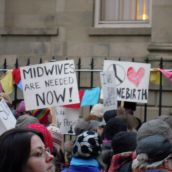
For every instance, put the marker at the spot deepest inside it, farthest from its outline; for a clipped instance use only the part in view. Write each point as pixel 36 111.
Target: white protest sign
pixel 7 119
pixel 67 118
pixel 49 84
pixel 109 90
pixel 131 80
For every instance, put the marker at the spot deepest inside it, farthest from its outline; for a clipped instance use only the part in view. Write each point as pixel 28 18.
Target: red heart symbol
pixel 135 77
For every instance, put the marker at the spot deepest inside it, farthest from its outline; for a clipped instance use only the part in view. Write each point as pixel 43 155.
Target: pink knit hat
pixel 46 134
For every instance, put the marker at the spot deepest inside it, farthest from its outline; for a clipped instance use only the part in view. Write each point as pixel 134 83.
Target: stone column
pixel 161 37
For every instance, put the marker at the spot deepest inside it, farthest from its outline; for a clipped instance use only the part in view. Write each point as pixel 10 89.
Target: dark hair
pixel 124 141
pixel 113 126
pixel 15 148
pixel 109 114
pixel 105 158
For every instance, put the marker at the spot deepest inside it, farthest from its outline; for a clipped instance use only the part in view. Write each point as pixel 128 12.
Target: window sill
pixel 119 31
pixel 29 32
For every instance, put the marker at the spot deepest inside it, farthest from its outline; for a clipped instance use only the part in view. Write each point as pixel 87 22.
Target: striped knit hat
pixel 42 115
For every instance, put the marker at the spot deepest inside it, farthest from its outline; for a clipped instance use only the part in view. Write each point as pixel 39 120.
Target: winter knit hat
pixel 46 134
pixel 97 110
pixel 57 136
pixel 87 145
pixel 20 108
pixel 109 114
pixel 96 124
pixel 155 126
pixel 152 151
pixel 124 142
pixel 167 119
pixel 42 115
pixel 24 120
pixel 113 126
pixel 81 126
pixel 156 147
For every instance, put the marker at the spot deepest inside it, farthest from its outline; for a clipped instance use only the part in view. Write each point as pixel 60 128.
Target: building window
pixel 123 13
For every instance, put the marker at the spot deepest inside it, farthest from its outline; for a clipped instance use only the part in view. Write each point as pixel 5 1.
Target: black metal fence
pixel 92 72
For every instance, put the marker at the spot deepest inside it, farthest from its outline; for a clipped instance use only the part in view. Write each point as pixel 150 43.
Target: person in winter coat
pixel 86 149
pixel 154 154
pixel 23 150
pixel 57 138
pixel 113 126
pixel 154 140
pixel 123 145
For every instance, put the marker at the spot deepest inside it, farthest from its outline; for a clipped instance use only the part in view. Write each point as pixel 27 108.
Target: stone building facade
pixel 71 28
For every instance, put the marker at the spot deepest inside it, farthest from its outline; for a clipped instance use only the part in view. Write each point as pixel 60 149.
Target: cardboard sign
pixel 49 84
pixel 109 90
pixel 66 119
pixel 90 97
pixel 7 119
pixel 131 80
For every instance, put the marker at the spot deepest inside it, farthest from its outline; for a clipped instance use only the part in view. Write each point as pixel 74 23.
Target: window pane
pixel 143 9
pixel 125 10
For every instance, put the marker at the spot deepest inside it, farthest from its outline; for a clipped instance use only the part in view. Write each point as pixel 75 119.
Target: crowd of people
pixel 114 141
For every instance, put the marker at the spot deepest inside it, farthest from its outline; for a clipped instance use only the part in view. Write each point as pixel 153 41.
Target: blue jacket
pixel 83 165
pixel 73 168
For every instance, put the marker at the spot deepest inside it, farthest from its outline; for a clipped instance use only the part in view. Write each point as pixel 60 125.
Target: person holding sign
pixel 23 150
